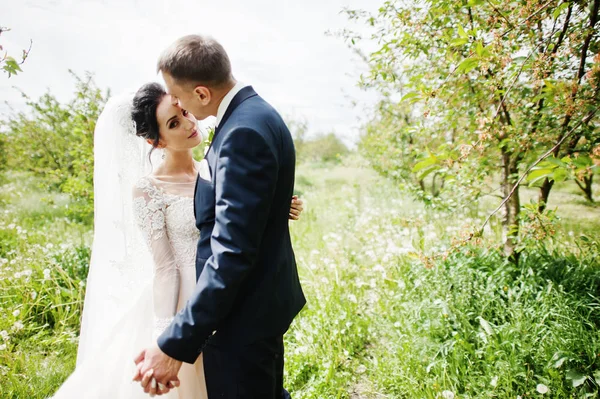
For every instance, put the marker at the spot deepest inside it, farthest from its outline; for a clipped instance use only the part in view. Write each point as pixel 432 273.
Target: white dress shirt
pixel 227 101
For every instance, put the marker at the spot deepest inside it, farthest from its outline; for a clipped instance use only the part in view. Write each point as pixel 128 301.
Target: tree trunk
pixel 544 194
pixel 588 182
pixel 512 206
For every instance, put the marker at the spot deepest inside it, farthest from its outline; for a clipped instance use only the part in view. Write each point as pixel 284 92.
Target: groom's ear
pixel 203 94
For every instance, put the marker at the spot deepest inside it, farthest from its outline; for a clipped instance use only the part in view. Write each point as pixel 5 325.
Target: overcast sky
pixel 278 46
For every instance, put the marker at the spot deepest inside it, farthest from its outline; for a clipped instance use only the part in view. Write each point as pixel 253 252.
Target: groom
pixel 247 291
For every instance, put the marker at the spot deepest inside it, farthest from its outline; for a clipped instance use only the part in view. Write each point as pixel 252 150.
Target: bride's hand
pixel 296 208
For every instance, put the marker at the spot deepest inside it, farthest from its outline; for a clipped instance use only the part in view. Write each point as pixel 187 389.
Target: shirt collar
pixel 227 101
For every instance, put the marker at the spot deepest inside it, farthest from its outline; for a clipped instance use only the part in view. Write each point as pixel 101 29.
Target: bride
pixel 143 257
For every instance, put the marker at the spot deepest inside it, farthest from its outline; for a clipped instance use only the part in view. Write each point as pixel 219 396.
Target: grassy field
pixel 380 323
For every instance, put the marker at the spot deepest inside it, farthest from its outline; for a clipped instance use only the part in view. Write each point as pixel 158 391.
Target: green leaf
pixel 582 161
pixel 11 66
pixel 428 171
pixel 566 159
pixel 539 174
pixel 462 33
pixel 459 42
pixel 576 377
pixel 432 160
pixel 479 48
pixel 468 65
pixel 552 162
pixel 410 95
pixel 560 175
pixel 560 9
pixel 585 238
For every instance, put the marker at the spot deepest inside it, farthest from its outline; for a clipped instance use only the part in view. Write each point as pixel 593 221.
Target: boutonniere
pixel 210 134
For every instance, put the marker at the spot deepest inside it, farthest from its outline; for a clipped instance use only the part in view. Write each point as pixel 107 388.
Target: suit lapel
pixel 195 191
pixel 239 98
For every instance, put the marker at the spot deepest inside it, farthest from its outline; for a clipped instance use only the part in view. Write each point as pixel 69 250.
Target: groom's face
pixel 194 99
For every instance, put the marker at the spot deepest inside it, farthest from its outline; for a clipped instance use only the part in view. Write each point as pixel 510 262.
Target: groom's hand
pixel 156 371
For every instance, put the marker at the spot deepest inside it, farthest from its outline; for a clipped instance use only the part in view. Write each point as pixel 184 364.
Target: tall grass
pixel 378 323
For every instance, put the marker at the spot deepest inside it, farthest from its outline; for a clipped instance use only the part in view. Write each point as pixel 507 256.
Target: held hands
pixel 156 371
pixel 296 208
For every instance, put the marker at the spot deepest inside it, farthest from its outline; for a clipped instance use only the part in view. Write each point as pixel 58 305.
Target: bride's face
pixel 178 128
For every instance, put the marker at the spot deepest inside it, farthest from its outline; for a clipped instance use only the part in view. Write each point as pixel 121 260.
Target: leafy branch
pixel 587 118
pixel 8 63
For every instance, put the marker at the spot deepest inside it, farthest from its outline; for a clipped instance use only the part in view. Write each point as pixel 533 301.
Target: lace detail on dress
pixel 167 223
pixel 181 229
pixel 159 213
pixel 149 209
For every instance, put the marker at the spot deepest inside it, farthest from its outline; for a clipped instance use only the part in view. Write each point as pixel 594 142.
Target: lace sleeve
pixel 149 211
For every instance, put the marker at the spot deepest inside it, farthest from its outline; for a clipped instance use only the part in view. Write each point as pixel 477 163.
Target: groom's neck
pixel 221 92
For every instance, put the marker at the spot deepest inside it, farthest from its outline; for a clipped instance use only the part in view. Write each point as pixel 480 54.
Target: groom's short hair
pixel 197 60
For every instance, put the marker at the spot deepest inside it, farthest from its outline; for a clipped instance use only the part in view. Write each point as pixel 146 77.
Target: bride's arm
pixel 149 210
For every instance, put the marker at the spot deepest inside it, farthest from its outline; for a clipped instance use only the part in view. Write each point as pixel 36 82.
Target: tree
pixel 325 148
pixel 502 81
pixel 55 142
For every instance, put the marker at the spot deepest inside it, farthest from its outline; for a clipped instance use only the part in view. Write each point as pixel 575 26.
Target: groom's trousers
pixel 252 371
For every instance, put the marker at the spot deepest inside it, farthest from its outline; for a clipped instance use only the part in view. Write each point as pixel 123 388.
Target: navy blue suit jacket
pixel 248 287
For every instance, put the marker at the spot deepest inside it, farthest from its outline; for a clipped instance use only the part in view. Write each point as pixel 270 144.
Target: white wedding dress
pixel 164 211
pixel 142 269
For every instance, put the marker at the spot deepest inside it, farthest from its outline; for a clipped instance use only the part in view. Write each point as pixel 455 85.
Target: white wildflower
pixel 33 295
pixel 379 268
pixel 494 381
pixel 541 388
pixel 447 394
pixel 361 369
pixel 18 325
pixel 16 313
pixel 4 335
pixel 2 347
pixel 46 274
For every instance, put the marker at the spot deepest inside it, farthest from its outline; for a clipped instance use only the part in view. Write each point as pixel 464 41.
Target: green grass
pixel 378 323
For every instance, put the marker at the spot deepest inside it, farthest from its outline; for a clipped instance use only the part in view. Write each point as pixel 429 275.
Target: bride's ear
pixel 160 143
pixel 203 94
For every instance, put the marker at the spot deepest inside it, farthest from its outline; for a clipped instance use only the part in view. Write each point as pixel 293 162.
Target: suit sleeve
pixel 246 175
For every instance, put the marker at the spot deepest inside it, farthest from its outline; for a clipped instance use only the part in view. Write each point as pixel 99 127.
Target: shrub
pixel 55 141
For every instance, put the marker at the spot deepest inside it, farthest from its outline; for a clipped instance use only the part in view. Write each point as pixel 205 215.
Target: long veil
pixel 121 265
pixel 118 309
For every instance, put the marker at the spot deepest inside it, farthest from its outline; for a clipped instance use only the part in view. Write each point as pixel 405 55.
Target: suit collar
pixel 239 98
pixel 227 100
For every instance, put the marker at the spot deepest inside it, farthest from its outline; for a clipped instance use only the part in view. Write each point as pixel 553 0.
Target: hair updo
pixel 145 103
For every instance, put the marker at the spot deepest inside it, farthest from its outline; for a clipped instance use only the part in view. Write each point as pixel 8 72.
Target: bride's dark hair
pixel 145 102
